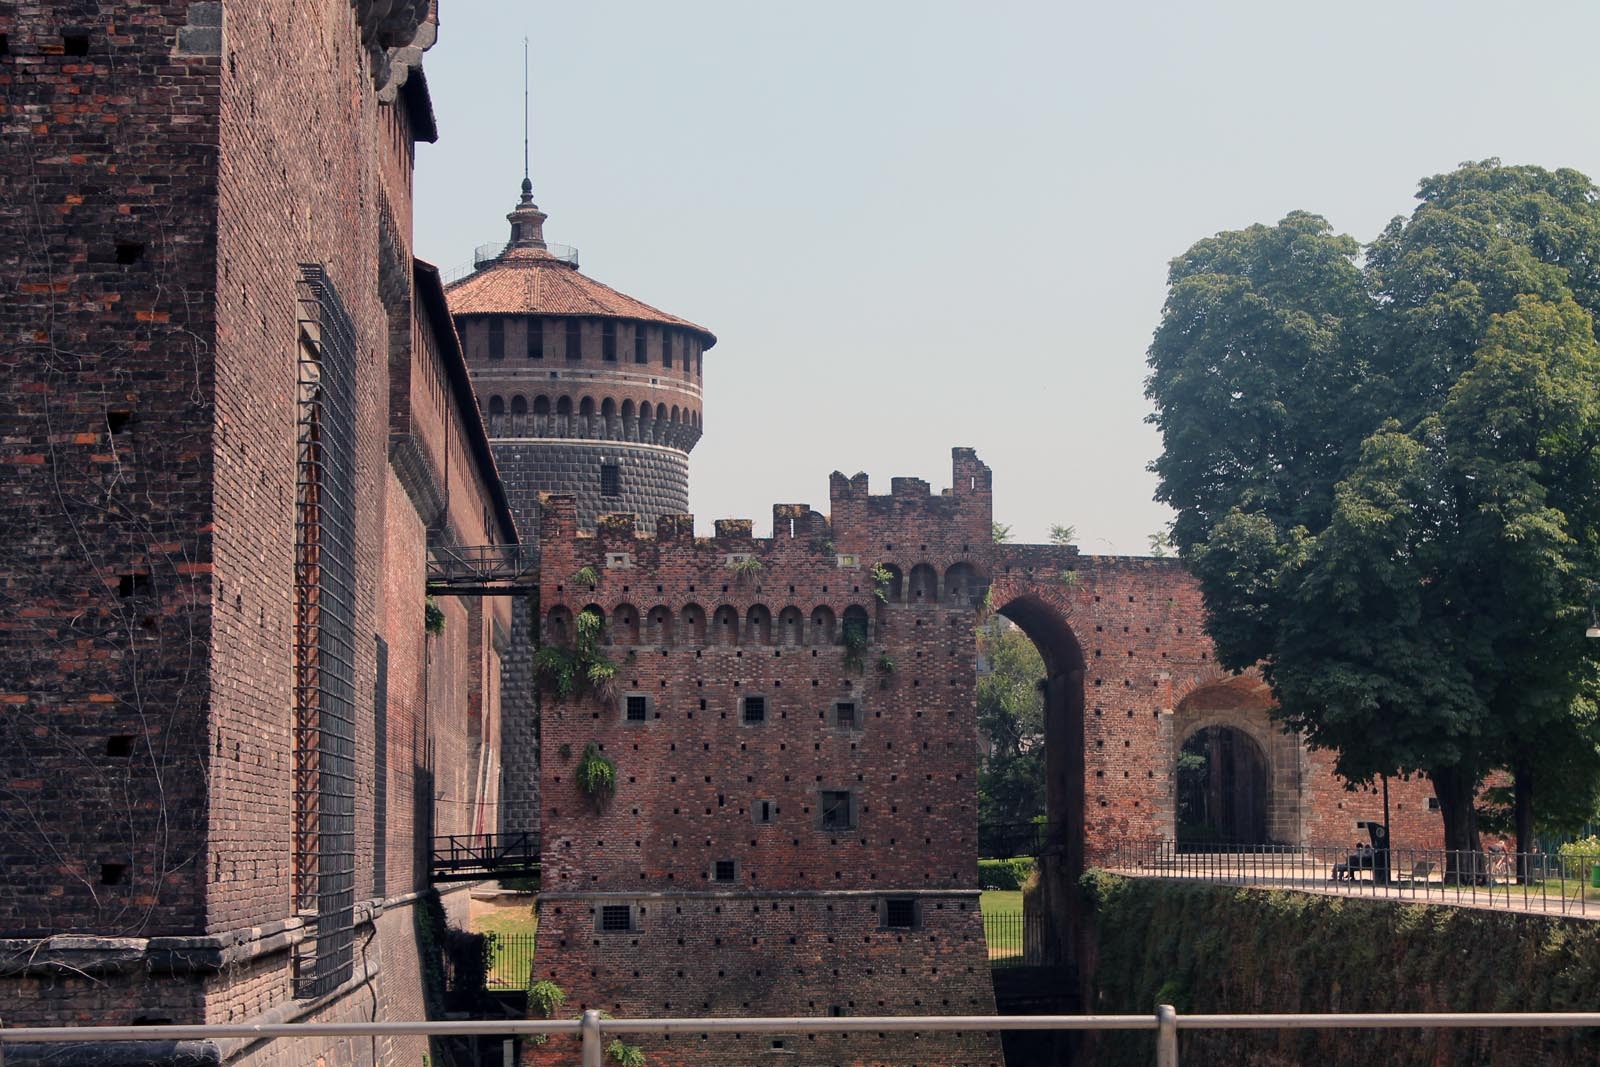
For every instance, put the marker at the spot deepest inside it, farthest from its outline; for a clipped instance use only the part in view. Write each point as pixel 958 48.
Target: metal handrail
pixel 593 1028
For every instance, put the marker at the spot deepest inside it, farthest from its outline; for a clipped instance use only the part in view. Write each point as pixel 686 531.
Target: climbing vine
pixel 882 578
pixel 597 776
pixel 581 668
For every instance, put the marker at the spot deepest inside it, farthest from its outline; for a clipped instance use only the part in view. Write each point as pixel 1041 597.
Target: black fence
pixel 474 857
pixel 510 961
pixel 1015 940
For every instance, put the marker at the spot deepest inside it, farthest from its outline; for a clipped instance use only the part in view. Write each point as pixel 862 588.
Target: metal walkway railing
pixel 593 1029
pixel 472 857
pixel 481 570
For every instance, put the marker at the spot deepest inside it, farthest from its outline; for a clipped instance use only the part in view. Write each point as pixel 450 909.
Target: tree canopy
pixel 1011 780
pixel 1385 471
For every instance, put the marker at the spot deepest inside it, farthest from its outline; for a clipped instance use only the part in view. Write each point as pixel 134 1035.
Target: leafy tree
pixel 1011 718
pixel 1063 533
pixel 1000 532
pixel 1385 476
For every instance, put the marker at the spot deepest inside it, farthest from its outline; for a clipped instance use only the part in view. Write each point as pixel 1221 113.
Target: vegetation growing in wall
pixel 882 578
pixel 432 617
pixel 855 647
pixel 586 575
pixel 583 668
pixel 1208 948
pixel 546 998
pixel 746 567
pixel 597 776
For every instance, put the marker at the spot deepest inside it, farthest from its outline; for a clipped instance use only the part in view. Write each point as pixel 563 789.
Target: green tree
pixel 1385 475
pixel 1000 532
pixel 1063 533
pixel 1011 719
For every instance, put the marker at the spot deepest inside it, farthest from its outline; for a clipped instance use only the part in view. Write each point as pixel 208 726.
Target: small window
pixel 639 355
pixel 1433 803
pixel 725 871
pixel 535 338
pixel 610 479
pixel 755 710
pixel 574 340
pixel 497 339
pixel 844 715
pixel 608 342
pixel 838 811
pixel 616 918
pixel 900 913
pixel 636 708
pixel 764 811
pixel 666 348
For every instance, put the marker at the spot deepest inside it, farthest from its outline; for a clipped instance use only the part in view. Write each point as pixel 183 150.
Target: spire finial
pixel 527 181
pixel 527 221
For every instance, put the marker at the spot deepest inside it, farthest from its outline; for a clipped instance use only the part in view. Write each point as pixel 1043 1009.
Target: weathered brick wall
pixel 108 182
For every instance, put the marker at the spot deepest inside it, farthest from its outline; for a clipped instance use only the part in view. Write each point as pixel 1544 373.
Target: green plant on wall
pixel 586 576
pixel 581 668
pixel 432 617
pixel 625 1055
pixel 882 578
pixel 855 645
pixel 597 776
pixel 745 567
pixel 546 998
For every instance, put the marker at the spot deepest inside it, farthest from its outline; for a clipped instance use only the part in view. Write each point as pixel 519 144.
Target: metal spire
pixel 527 182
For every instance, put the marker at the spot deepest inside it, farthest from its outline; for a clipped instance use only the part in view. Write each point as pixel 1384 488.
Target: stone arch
pixel 894 590
pixel 791 626
pixel 519 405
pixel 646 412
pixel 658 625
pixel 856 625
pixel 725 625
pixel 564 406
pixel 1260 762
pixel 694 624
pixel 497 405
pixel 923 586
pixel 758 625
pixel 822 625
pixel 962 584
pixel 608 407
pixel 541 405
pixel 674 417
pixel 586 406
pixel 625 625
pixel 627 409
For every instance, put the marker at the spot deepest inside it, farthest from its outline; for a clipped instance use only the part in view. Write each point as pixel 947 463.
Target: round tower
pixel 584 390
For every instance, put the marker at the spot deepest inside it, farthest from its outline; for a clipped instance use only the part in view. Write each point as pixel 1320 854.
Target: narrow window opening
pixel 666 349
pixel 844 714
pixel 610 479
pixel 639 355
pixel 764 811
pixel 119 745
pixel 608 342
pixel 5 45
pixel 129 585
pixel 535 338
pixel 129 252
pixel 574 340
pixel 75 43
pixel 113 874
pixel 755 709
pixel 497 339
pixel 119 421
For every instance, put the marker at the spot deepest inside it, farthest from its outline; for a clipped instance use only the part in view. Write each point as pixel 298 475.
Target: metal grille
pixel 325 559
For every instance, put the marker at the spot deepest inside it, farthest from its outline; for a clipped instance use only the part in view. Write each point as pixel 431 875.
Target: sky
pixel 919 225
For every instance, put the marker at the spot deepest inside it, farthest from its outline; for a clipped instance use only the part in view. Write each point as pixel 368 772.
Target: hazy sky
pixel 918 225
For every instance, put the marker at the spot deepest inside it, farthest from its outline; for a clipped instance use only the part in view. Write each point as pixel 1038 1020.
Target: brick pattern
pixel 653 481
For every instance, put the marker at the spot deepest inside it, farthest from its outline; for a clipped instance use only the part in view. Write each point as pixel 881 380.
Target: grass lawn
pixel 1001 901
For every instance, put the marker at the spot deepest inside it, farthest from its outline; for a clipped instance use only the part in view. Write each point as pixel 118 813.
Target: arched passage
pixel 1223 781
pixel 1061 860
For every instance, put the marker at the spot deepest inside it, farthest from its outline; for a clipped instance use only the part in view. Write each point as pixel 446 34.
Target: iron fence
pixel 1537 881
pixel 510 961
pixel 594 1030
pixel 1015 940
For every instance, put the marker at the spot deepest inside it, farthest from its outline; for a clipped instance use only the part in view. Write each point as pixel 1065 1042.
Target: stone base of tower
pixel 650 480
pixel 813 954
pixel 519 725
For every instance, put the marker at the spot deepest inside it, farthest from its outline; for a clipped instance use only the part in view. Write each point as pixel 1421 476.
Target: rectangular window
pixel 666 348
pixel 764 811
pixel 616 918
pixel 610 479
pixel 574 340
pixel 838 810
pixel 900 913
pixel 844 715
pixel 638 345
pixel 755 710
pixel 497 338
pixel 535 338
pixel 725 871
pixel 608 341
pixel 638 708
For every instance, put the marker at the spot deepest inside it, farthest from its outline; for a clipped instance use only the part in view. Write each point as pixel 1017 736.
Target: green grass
pixel 507 921
pixel 1001 901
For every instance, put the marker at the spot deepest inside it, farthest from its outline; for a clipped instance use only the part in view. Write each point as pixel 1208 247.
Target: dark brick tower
pixel 587 392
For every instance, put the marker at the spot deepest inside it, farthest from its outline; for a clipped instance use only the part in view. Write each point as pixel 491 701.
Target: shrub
pixel 1579 857
pixel 1004 874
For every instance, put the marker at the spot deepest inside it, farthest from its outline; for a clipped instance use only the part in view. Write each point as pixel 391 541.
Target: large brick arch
pixel 1244 703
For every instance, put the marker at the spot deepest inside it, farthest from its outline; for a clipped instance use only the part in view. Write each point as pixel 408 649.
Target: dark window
pixel 120 745
pixel 129 252
pixel 844 714
pixel 755 709
pixel 616 917
pixel 610 479
pixel 74 42
pixel 838 813
pixel 638 345
pixel 724 871
pixel 574 340
pixel 638 708
pixel 497 405
pixel 608 342
pixel 666 348
pixel 497 339
pixel 765 810
pixel 519 405
pixel 900 913
pixel 535 338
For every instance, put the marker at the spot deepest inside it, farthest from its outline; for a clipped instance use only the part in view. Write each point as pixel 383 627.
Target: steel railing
pixel 463 857
pixel 1015 940
pixel 593 1029
pixel 1537 882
